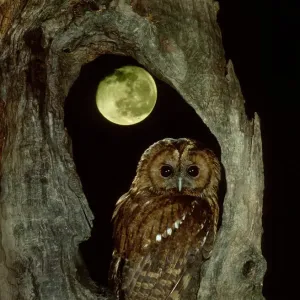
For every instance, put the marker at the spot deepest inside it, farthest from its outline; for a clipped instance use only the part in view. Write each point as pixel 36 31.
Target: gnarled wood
pixel 44 214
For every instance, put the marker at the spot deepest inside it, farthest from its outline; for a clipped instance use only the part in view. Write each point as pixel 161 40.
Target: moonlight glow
pixel 127 96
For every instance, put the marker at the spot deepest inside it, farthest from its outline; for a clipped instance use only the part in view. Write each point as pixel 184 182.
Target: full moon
pixel 127 96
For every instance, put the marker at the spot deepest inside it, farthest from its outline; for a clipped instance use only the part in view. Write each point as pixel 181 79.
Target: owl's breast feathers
pixel 157 238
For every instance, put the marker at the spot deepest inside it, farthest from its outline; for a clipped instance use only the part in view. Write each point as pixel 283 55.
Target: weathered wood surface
pixel 44 214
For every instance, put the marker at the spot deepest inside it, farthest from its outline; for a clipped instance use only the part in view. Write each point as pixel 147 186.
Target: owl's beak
pixel 179 184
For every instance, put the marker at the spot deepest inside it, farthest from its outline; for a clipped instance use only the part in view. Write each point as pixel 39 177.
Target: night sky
pixel 105 153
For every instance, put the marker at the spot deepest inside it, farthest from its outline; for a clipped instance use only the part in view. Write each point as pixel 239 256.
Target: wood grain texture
pixel 44 214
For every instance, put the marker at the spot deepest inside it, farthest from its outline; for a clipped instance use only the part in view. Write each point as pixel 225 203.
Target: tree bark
pixel 44 214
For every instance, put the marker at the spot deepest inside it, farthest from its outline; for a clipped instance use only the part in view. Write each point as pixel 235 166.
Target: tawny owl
pixel 165 225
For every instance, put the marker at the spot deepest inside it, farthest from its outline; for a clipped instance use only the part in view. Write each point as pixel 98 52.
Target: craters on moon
pixel 127 96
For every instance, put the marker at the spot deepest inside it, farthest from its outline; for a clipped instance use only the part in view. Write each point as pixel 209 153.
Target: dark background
pixel 258 38
pixel 261 38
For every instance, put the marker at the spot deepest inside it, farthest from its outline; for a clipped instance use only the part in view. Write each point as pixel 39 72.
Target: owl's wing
pixel 115 274
pixel 188 284
pixel 117 262
pixel 164 273
pixel 152 276
pixel 145 267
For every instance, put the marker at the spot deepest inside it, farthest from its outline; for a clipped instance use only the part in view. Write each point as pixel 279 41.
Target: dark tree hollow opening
pixel 106 154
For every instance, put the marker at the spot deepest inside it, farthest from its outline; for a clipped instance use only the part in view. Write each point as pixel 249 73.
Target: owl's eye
pixel 166 171
pixel 193 171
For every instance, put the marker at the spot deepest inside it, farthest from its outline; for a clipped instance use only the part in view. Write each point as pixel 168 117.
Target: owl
pixel 165 226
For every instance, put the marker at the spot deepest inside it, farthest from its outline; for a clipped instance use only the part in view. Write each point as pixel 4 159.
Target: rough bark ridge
pixel 44 214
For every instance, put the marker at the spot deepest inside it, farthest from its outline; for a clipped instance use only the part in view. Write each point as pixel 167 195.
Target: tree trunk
pixel 44 214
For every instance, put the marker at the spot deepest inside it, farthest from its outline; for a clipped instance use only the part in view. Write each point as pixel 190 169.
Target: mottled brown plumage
pixel 166 223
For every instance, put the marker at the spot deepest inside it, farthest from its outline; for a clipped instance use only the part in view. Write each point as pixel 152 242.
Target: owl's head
pixel 177 166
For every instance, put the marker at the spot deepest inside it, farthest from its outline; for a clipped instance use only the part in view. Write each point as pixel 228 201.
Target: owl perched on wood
pixel 165 225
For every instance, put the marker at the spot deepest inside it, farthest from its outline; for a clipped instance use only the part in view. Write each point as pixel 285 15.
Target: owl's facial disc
pixel 177 171
pixel 178 178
